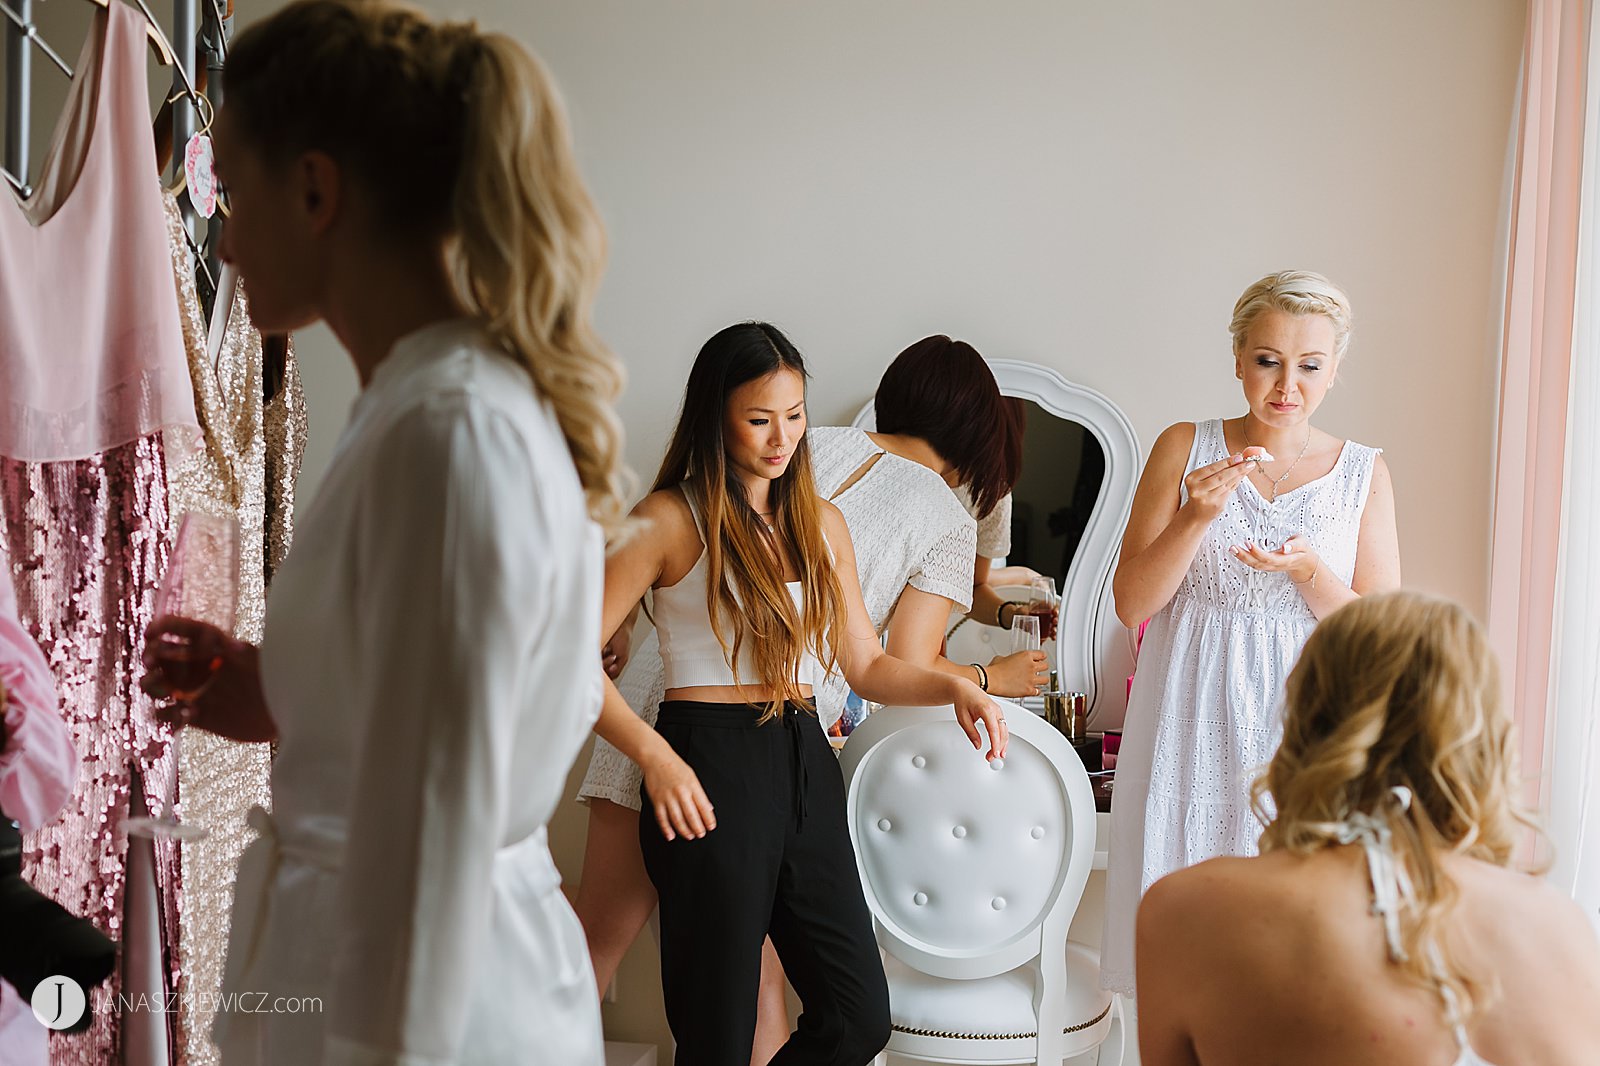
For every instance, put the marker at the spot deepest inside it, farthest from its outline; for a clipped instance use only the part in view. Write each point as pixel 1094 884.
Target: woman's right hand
pixel 230 703
pixel 681 805
pixel 972 706
pixel 1022 673
pixel 1210 486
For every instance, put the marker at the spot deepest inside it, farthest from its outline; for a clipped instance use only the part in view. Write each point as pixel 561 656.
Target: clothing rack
pixel 200 28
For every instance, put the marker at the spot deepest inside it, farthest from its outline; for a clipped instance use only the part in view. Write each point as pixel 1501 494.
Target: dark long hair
pixel 942 391
pixel 746 597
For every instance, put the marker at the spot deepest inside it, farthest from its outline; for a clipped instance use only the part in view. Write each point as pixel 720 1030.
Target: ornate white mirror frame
pixel 1094 654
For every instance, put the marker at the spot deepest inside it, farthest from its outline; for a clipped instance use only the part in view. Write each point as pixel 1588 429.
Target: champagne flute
pixel 201 584
pixel 1025 633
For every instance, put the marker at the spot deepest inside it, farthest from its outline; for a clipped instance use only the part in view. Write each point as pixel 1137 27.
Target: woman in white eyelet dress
pixel 1233 561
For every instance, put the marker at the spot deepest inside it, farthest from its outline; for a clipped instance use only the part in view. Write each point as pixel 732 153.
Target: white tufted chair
pixel 972 872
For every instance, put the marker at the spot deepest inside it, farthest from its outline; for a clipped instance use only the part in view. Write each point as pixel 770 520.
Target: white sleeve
pixel 994 531
pixel 452 590
pixel 945 569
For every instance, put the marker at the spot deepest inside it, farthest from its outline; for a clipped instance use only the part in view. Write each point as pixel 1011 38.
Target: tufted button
pixel 997 764
pixel 920 899
pixel 883 824
pixel 1037 832
pixel 959 832
pixel 919 762
pixel 998 903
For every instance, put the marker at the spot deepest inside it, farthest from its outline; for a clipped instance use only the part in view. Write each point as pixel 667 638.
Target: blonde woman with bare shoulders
pixel 1244 531
pixel 1383 923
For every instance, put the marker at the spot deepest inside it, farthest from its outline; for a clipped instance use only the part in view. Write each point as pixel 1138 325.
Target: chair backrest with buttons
pixel 965 863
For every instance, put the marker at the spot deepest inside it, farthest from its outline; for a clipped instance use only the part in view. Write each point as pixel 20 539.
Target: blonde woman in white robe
pixel 428 669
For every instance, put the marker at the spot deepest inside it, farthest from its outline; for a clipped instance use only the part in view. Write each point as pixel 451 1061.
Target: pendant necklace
pixel 1285 476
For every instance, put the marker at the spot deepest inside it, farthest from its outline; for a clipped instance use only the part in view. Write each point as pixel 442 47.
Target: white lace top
pixel 907 527
pixel 994 528
pixel 1204 713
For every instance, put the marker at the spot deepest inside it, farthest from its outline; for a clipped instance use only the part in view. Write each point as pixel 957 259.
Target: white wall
pixel 1085 185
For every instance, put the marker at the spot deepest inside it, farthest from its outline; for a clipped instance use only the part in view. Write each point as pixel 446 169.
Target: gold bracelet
pixel 1312 584
pixel 983 676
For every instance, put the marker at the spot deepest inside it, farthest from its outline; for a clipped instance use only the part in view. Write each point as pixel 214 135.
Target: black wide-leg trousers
pixel 779 862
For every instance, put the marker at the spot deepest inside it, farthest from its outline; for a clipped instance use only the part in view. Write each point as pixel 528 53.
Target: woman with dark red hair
pixel 942 426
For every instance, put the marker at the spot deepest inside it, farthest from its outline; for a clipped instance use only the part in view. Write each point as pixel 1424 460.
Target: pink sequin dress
pixel 94 390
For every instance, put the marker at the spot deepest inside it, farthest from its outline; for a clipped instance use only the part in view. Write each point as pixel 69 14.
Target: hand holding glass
pixel 201 584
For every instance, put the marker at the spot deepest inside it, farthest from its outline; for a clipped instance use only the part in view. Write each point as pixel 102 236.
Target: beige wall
pixel 1087 186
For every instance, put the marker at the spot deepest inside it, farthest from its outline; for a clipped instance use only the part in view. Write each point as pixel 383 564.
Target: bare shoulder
pixel 666 533
pixel 1382 484
pixel 1548 913
pixel 666 510
pixel 833 523
pixel 1173 445
pixel 1205 888
pixel 1209 894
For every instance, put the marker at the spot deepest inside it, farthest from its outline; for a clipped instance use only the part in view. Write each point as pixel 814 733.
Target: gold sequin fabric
pixel 246 469
pixel 286 423
pixel 87 542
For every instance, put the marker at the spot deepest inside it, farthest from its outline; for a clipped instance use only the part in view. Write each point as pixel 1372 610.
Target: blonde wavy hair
pixel 1401 690
pixel 460 136
pixel 1299 292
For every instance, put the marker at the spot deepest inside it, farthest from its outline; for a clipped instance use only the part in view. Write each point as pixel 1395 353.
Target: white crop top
pixel 691 657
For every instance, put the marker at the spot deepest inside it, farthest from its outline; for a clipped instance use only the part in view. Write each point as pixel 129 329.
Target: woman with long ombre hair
pixel 1384 922
pixel 743 830
pixel 921 551
pixel 428 666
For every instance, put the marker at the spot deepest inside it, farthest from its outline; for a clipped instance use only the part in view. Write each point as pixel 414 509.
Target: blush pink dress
pixel 94 395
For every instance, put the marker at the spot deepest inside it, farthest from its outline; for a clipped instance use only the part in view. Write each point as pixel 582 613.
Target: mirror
pixel 1063 467
pixel 1080 465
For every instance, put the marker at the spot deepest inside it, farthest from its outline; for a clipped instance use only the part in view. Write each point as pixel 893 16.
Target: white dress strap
pixel 1392 889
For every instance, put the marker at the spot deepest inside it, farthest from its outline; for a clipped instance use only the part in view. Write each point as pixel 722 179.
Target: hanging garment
pixel 90 351
pixel 94 395
pixel 88 545
pixel 231 476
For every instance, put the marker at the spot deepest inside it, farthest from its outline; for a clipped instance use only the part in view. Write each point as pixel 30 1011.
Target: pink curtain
pixel 1536 365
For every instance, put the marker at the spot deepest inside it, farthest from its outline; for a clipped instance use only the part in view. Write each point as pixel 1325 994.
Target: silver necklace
pixel 1285 476
pixel 764 515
